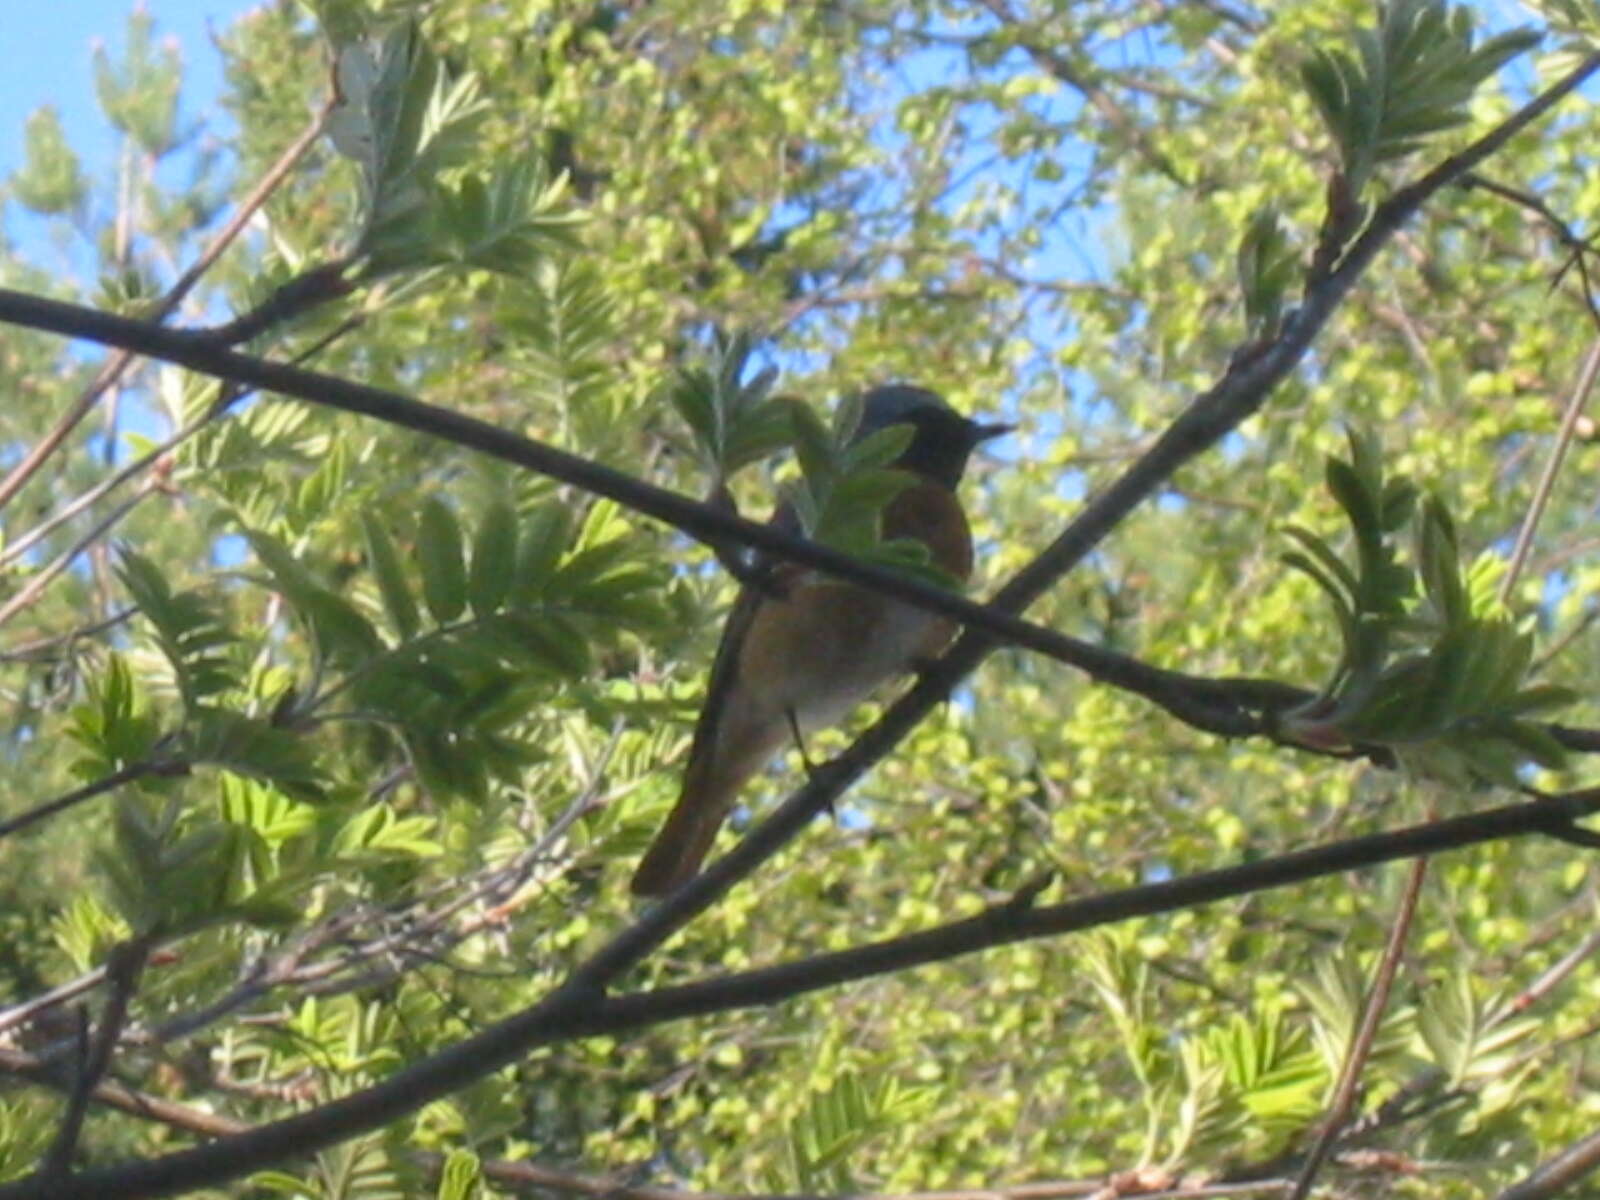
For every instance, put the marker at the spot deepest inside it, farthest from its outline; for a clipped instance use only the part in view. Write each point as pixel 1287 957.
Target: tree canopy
pixel 381 461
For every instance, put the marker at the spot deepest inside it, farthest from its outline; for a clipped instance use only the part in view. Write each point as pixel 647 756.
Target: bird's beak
pixel 982 433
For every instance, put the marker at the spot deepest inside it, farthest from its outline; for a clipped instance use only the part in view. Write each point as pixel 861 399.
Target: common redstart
pixel 800 650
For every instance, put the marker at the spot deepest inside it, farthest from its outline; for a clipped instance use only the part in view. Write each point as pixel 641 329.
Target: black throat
pixel 940 447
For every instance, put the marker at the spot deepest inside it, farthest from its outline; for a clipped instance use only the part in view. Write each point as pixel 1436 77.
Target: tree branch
pixel 123 967
pixel 107 783
pixel 1214 710
pixel 1561 1172
pixel 580 1005
pixel 116 1095
pixel 580 1009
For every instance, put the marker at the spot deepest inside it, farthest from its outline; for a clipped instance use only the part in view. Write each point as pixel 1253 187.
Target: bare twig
pixel 116 365
pixel 118 1096
pixel 1552 466
pixel 1578 248
pixel 123 967
pixel 24 542
pixel 1355 1062
pixel 21 1014
pixel 107 783
pixel 1554 1177
pixel 46 575
pixel 40 649
pixel 1552 978
pixel 1115 115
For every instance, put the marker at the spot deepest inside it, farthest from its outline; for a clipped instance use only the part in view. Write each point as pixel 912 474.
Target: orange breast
pixel 932 515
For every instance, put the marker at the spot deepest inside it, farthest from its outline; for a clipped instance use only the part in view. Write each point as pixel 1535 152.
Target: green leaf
pixel 545 534
pixel 1439 562
pixel 390 575
pixel 1335 577
pixel 1540 698
pixel 494 559
pixel 1533 742
pixel 50 179
pixel 377 832
pixel 252 748
pixel 342 634
pixel 879 449
pixel 191 633
pixel 461 1177
pixel 1266 265
pixel 813 446
pixel 1350 490
pixel 440 553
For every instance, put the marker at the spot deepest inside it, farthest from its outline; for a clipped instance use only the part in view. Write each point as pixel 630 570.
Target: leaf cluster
pixel 411 126
pixel 1406 80
pixel 1432 666
pixel 732 421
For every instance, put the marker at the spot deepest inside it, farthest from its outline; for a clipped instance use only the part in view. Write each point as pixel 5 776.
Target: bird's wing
pixel 725 666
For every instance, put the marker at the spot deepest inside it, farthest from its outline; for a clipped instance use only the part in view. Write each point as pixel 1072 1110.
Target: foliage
pixel 406 717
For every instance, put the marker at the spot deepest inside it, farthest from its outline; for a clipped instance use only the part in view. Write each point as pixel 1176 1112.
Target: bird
pixel 799 650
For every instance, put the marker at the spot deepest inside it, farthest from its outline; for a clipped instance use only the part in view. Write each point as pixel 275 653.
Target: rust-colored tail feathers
pixel 711 784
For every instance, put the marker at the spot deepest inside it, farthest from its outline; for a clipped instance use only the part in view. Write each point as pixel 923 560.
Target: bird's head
pixel 943 439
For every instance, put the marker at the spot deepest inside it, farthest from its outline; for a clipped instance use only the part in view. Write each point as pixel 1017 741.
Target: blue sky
pixel 48 61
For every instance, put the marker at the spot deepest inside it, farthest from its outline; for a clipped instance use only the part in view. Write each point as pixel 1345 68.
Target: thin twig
pixel 572 1013
pixel 46 575
pixel 106 783
pixel 117 364
pixel 1053 61
pixel 1552 466
pixel 1551 979
pixel 39 649
pixel 1571 241
pixel 116 1095
pixel 21 1014
pixel 416 926
pixel 1554 1177
pixel 123 967
pixel 66 512
pixel 1361 1046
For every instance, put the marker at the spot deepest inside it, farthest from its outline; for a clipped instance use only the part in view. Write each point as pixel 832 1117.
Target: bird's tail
pixel 709 790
